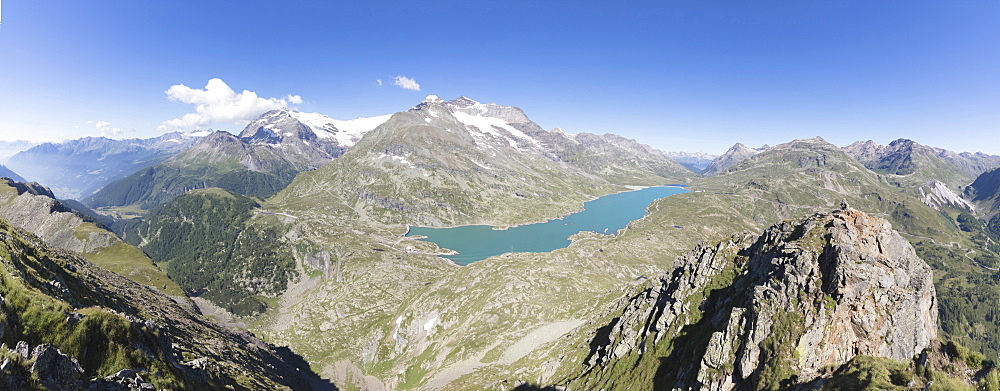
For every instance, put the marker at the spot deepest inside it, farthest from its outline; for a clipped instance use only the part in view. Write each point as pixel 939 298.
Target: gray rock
pixel 832 286
pixel 56 371
pixel 125 374
pixel 23 350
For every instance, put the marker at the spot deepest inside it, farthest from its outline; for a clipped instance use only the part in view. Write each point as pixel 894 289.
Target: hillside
pixel 468 327
pixel 205 244
pixel 77 168
pixel 32 207
pixel 67 324
pixel 322 268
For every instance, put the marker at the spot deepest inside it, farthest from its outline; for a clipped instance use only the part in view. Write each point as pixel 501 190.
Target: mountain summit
pixel 310 134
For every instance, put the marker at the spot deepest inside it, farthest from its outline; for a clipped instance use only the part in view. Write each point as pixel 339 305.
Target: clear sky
pixel 680 75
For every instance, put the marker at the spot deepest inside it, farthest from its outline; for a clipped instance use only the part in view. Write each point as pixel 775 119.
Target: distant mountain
pixel 261 161
pixel 6 172
pixel 218 160
pixel 732 157
pixel 78 168
pixel 307 140
pixel 920 163
pixel 985 192
pixel 9 148
pixel 985 187
pixel 462 161
pixel 696 161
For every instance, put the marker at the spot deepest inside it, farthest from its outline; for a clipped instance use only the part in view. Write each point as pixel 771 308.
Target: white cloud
pixel 379 82
pixel 106 129
pixel 406 83
pixel 218 103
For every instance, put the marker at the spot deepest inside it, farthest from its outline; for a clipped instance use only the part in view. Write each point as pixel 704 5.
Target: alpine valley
pixel 278 258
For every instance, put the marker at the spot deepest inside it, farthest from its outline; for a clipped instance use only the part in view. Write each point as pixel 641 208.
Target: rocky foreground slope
pixel 785 308
pixel 67 324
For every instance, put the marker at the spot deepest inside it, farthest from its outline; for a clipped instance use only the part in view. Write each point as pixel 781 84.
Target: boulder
pixel 56 370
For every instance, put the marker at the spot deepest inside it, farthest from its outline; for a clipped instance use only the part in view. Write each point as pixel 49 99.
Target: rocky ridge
pixel 32 207
pixel 779 309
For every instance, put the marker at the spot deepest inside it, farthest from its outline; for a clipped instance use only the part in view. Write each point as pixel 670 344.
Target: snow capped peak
pixel 433 99
pixel 345 133
pixel 465 99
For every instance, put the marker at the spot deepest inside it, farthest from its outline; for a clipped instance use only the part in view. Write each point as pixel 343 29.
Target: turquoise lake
pixel 605 215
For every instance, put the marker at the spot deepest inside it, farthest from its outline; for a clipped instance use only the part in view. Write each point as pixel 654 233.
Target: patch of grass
pixel 132 263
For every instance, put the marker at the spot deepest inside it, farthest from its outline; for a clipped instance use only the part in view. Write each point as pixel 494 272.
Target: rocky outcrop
pixel 56 370
pixel 803 297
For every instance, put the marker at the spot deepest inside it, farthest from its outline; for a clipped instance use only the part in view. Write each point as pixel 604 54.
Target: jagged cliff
pixel 773 311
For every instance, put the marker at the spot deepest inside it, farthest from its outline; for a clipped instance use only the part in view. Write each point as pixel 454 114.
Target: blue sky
pixel 690 75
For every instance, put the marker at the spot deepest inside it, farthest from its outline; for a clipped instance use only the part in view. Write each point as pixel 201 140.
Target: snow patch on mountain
pixel 490 125
pixel 345 132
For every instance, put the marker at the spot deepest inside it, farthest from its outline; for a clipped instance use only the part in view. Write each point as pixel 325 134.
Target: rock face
pixel 56 370
pixel 938 194
pixel 779 310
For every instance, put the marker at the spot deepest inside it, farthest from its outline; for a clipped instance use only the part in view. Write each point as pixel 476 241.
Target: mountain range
pixel 798 266
pixel 77 168
pixel 262 160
